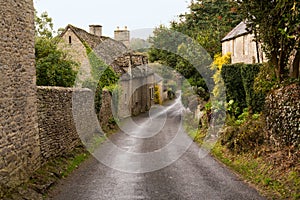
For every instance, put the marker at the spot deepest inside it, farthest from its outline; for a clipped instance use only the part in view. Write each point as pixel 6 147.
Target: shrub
pixel 157 95
pixel 233 82
pixel 244 137
pixel 219 61
pixel 253 100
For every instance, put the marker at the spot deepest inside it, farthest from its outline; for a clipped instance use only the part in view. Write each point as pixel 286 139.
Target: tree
pixel 276 24
pixel 53 66
pixel 208 21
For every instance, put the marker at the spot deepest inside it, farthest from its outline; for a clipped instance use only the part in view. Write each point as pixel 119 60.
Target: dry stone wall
pixel 19 140
pixel 57 130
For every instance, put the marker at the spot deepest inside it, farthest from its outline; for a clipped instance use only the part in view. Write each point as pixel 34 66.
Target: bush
pixel 245 86
pixel 253 100
pixel 244 137
pixel 157 95
pixel 233 82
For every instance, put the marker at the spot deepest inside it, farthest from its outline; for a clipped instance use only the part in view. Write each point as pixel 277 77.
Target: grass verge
pixel 271 180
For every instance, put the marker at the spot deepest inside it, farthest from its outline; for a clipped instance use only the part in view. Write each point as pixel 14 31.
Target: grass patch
pixel 271 180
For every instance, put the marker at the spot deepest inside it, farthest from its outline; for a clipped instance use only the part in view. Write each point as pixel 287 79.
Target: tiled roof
pixel 92 40
pixel 113 52
pixel 239 30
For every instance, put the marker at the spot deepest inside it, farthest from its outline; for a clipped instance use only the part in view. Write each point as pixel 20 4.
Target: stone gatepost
pixel 19 140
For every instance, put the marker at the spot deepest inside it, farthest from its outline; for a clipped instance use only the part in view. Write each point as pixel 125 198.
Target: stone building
pixel 131 67
pixel 240 43
pixel 19 140
pixel 137 94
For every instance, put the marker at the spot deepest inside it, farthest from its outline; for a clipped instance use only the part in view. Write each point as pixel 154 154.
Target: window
pixel 70 40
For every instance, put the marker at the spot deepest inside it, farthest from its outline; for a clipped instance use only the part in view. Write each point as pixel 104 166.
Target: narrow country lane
pixel 172 168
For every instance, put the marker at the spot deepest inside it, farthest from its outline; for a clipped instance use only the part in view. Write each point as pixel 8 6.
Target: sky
pixel 139 16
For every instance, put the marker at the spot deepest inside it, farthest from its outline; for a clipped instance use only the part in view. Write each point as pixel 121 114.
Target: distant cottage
pixel 240 43
pixel 137 79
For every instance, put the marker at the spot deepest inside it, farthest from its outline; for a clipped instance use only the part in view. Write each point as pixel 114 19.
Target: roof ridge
pixel 239 30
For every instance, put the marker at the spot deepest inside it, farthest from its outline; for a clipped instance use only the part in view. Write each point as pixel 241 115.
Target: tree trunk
pixel 296 65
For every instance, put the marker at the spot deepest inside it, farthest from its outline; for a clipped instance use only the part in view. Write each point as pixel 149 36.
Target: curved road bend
pixel 188 177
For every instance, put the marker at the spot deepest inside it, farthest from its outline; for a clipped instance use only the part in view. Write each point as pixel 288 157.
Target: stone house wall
pixel 76 51
pixel 243 49
pixel 71 43
pixel 135 96
pixel 19 140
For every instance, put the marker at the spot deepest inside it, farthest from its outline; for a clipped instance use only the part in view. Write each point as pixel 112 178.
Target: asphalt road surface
pixel 152 158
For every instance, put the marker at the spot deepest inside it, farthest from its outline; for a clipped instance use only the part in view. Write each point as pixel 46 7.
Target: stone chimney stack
pixel 123 35
pixel 96 30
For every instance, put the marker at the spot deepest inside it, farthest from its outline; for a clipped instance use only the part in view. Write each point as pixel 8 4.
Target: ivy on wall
pixel 102 75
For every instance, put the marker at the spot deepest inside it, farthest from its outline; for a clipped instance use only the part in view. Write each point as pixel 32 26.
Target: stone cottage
pixel 137 79
pixel 240 43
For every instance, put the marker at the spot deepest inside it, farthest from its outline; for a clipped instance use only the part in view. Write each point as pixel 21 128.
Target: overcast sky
pixel 136 14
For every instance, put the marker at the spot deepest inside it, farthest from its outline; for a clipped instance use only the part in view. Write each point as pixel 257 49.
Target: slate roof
pixel 110 50
pixel 90 39
pixel 239 30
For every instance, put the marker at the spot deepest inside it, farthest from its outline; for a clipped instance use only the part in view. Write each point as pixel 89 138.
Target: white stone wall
pixel 243 49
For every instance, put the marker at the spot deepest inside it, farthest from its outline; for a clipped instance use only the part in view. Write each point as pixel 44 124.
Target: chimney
pixel 123 35
pixel 96 30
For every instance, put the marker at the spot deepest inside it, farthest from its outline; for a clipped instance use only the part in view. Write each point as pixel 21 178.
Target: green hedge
pixel 233 82
pixel 239 80
pixel 254 100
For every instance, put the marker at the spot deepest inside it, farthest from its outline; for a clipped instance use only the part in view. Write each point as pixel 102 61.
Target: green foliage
pixel 265 80
pixel 246 135
pixel 102 76
pixel 53 67
pixel 239 80
pixel 265 174
pixel 208 22
pixel 166 38
pixel 276 26
pixel 255 101
pixel 43 25
pixel 233 82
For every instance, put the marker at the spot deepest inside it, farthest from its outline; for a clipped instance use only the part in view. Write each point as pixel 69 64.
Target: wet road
pixel 152 158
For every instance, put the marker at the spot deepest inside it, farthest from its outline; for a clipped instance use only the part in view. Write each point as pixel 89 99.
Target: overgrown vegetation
pixel 207 22
pixel 276 25
pixel 102 75
pixel 271 172
pixel 53 66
